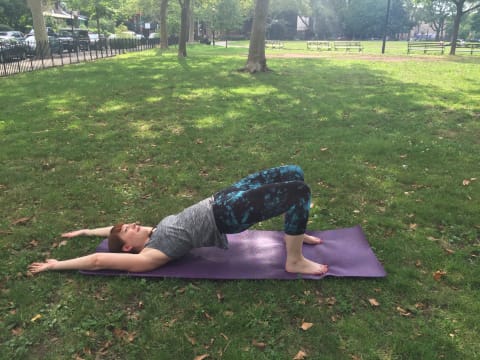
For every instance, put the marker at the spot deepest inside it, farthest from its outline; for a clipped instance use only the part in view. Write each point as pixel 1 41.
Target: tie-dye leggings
pixel 261 196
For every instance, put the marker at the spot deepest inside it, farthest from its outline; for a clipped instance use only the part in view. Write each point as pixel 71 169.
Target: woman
pixel 255 198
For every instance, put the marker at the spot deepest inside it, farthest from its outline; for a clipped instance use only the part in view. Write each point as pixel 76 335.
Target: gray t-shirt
pixel 194 227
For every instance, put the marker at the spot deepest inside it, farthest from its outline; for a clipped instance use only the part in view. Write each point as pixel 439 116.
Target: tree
pixel 364 19
pixel 41 37
pixel 474 25
pixel 182 41
pixel 462 7
pixel 163 24
pixel 191 23
pixel 257 62
pixel 12 13
pixel 400 22
pixel 228 16
pixel 436 13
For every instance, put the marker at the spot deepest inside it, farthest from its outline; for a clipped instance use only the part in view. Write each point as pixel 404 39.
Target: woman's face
pixel 134 235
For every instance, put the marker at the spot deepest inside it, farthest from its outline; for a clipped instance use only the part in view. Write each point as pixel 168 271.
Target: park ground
pixel 390 142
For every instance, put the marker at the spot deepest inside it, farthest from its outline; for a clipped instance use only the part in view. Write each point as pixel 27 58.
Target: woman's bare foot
pixel 305 266
pixel 312 240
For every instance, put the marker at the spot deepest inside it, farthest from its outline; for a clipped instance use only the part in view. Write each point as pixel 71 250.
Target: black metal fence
pixel 17 58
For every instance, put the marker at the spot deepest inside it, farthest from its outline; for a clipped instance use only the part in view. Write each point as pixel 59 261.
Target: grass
pixel 374 47
pixel 390 145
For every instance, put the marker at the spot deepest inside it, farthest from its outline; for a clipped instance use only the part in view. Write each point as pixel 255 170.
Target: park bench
pixel 274 44
pixel 319 45
pixel 347 45
pixel 425 46
pixel 468 47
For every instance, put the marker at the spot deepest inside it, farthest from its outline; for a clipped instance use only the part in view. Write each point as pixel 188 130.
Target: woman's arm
pixel 104 231
pixel 145 261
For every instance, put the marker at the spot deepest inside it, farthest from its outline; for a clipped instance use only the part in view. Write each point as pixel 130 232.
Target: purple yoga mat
pixel 258 254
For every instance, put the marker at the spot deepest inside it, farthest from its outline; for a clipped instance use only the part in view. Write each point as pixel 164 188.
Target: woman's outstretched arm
pixel 103 231
pixel 147 260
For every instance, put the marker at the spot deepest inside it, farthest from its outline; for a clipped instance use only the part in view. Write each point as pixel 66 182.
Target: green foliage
pixel 390 143
pixel 15 14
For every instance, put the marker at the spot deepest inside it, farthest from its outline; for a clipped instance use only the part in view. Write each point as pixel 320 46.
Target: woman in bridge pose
pixel 255 198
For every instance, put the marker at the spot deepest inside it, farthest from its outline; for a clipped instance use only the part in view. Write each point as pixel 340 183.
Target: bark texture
pixel 257 62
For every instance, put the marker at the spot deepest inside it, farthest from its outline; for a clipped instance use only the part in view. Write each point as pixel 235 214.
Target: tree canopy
pixel 322 19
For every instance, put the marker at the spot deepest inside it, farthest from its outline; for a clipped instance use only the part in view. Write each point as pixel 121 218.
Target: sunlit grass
pixel 389 144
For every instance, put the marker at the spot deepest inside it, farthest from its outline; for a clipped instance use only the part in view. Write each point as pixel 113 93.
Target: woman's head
pixel 115 242
pixel 128 237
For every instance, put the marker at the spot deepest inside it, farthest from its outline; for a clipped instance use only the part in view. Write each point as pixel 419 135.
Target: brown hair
pixel 115 243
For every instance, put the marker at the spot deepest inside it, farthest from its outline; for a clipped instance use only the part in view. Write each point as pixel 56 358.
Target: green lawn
pixel 391 144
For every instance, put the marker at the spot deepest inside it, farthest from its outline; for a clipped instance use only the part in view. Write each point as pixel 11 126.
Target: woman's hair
pixel 115 243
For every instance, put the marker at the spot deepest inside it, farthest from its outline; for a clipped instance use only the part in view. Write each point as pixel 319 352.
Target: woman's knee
pixel 295 171
pixel 303 190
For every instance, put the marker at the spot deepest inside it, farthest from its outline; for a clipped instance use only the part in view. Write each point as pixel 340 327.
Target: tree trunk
pixel 257 61
pixel 191 24
pixel 456 26
pixel 41 38
pixel 163 25
pixel 182 42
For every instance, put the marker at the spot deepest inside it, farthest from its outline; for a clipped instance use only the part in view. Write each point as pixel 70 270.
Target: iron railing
pixel 17 58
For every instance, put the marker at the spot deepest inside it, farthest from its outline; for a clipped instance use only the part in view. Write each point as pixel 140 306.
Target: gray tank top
pixel 192 228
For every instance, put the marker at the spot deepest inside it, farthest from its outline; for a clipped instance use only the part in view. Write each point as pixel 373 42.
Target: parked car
pixel 50 32
pixel 97 41
pixel 56 47
pixel 19 36
pixel 80 38
pixel 67 41
pixel 11 49
pixel 154 35
pixel 122 35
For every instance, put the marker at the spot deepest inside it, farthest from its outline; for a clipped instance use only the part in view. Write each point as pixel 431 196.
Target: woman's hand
pixel 40 267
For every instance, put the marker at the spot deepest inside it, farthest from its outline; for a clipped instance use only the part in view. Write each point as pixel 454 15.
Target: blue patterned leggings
pixel 261 196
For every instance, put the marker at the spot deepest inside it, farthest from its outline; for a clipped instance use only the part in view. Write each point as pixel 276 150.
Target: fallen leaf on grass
pixel 125 335
pixel 306 325
pixel 104 349
pixel 36 317
pixel 259 345
pixel 17 331
pixel 191 340
pixel 403 312
pixel 207 316
pixel 300 355
pixel 201 357
pixel 439 274
pixel 334 318
pixel 373 302
pixel 21 221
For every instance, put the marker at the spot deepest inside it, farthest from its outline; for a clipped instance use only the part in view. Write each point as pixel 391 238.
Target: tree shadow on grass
pixel 141 137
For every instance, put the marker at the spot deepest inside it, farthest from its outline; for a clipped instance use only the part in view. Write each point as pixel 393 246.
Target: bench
pixel 347 45
pixel 274 44
pixel 319 45
pixel 425 46
pixel 468 48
